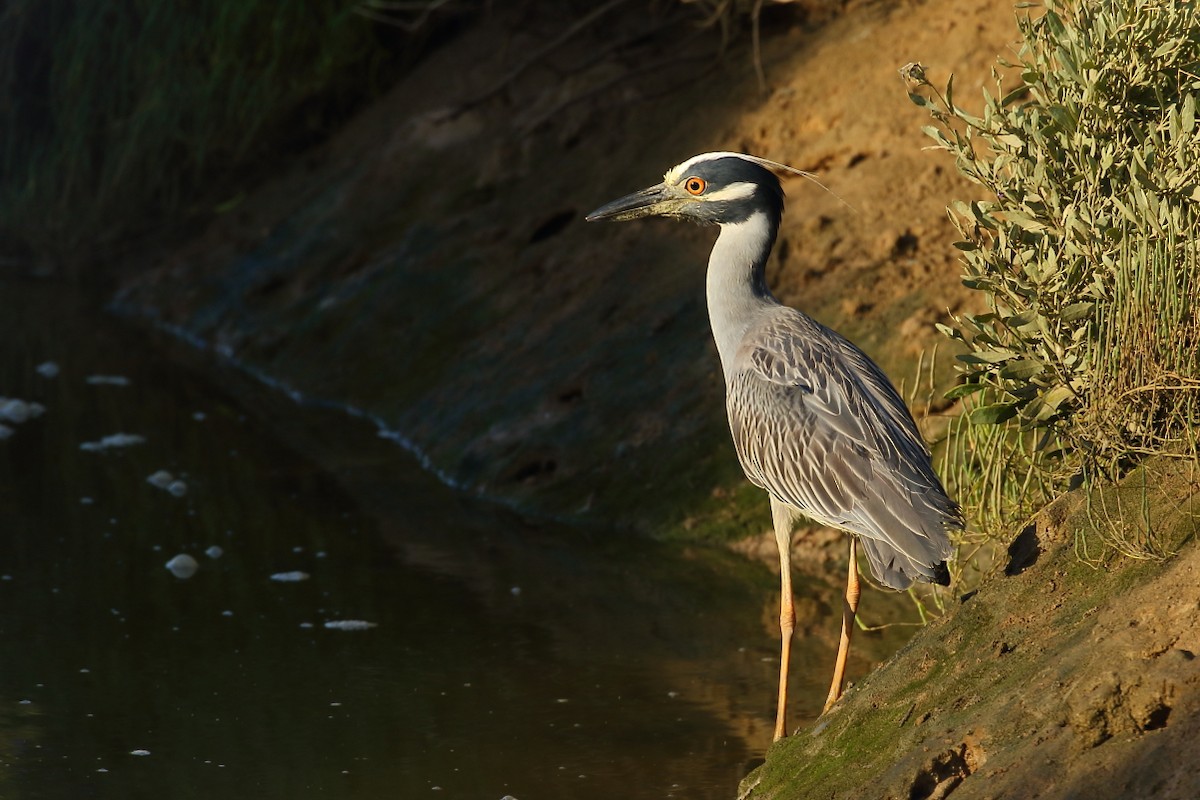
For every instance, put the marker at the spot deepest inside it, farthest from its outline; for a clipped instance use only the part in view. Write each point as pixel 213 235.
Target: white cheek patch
pixel 734 191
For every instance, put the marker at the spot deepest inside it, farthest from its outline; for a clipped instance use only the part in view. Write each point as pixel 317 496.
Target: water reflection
pixel 435 648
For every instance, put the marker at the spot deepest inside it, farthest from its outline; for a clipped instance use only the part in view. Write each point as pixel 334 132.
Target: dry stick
pixel 603 87
pixel 618 44
pixel 606 85
pixel 754 37
pixel 405 5
pixel 541 53
pixel 371 11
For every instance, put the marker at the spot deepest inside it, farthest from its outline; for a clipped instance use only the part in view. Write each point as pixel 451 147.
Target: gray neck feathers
pixel 736 284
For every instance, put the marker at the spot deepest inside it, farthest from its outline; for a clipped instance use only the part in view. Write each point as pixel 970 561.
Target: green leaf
pixel 1048 404
pixel 993 357
pixel 1077 311
pixel 963 389
pixel 1024 221
pixel 1022 369
pixel 993 414
pixel 947 331
pixel 1022 319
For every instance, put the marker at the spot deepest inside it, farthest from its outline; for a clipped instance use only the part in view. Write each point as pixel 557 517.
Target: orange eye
pixel 695 185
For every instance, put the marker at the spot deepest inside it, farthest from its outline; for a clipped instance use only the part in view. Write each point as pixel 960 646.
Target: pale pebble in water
pixel 214 552
pixel 47 369
pixel 349 625
pixel 177 488
pixel 183 566
pixel 5 431
pixel 295 576
pixel 139 752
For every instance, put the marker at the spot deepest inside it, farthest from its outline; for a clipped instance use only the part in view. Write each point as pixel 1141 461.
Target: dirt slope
pixel 1058 679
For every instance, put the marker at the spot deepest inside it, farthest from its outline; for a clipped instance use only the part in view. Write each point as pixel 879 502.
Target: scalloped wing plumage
pixel 818 425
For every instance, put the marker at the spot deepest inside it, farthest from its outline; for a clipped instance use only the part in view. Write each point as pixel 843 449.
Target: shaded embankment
pixel 430 265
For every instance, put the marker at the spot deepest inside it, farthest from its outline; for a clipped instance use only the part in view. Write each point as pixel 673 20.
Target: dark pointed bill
pixel 638 204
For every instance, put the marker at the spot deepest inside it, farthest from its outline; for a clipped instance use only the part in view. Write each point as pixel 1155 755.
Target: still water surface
pixel 503 657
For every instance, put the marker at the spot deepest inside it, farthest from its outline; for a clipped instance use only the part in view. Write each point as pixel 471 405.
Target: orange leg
pixel 849 612
pixel 783 519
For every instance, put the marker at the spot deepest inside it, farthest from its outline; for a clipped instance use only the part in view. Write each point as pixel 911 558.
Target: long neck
pixel 736 284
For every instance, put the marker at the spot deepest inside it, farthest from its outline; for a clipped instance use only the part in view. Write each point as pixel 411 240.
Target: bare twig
pixel 373 8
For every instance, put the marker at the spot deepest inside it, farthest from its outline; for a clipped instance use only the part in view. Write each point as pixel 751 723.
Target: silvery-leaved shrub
pixel 1085 246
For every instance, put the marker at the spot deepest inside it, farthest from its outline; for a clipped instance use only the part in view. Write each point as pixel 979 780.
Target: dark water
pixel 505 658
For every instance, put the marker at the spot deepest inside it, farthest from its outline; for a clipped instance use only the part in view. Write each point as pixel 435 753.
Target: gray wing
pixel 819 426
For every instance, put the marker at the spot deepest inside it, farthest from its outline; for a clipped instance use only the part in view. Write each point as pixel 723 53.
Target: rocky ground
pixel 430 268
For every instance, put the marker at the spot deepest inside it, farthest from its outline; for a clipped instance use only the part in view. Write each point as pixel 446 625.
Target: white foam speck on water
pixel 111 441
pixel 295 576
pixel 47 369
pixel 214 552
pixel 139 752
pixel 160 479
pixel 5 431
pixel 183 566
pixel 349 625
pixel 19 411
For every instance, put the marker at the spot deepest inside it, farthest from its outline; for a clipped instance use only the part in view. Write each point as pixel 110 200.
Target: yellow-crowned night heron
pixel 816 423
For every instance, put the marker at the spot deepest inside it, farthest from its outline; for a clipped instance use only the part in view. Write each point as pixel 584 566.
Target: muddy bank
pixel 1062 677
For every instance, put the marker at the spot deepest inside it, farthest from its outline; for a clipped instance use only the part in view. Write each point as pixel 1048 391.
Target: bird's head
pixel 712 188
